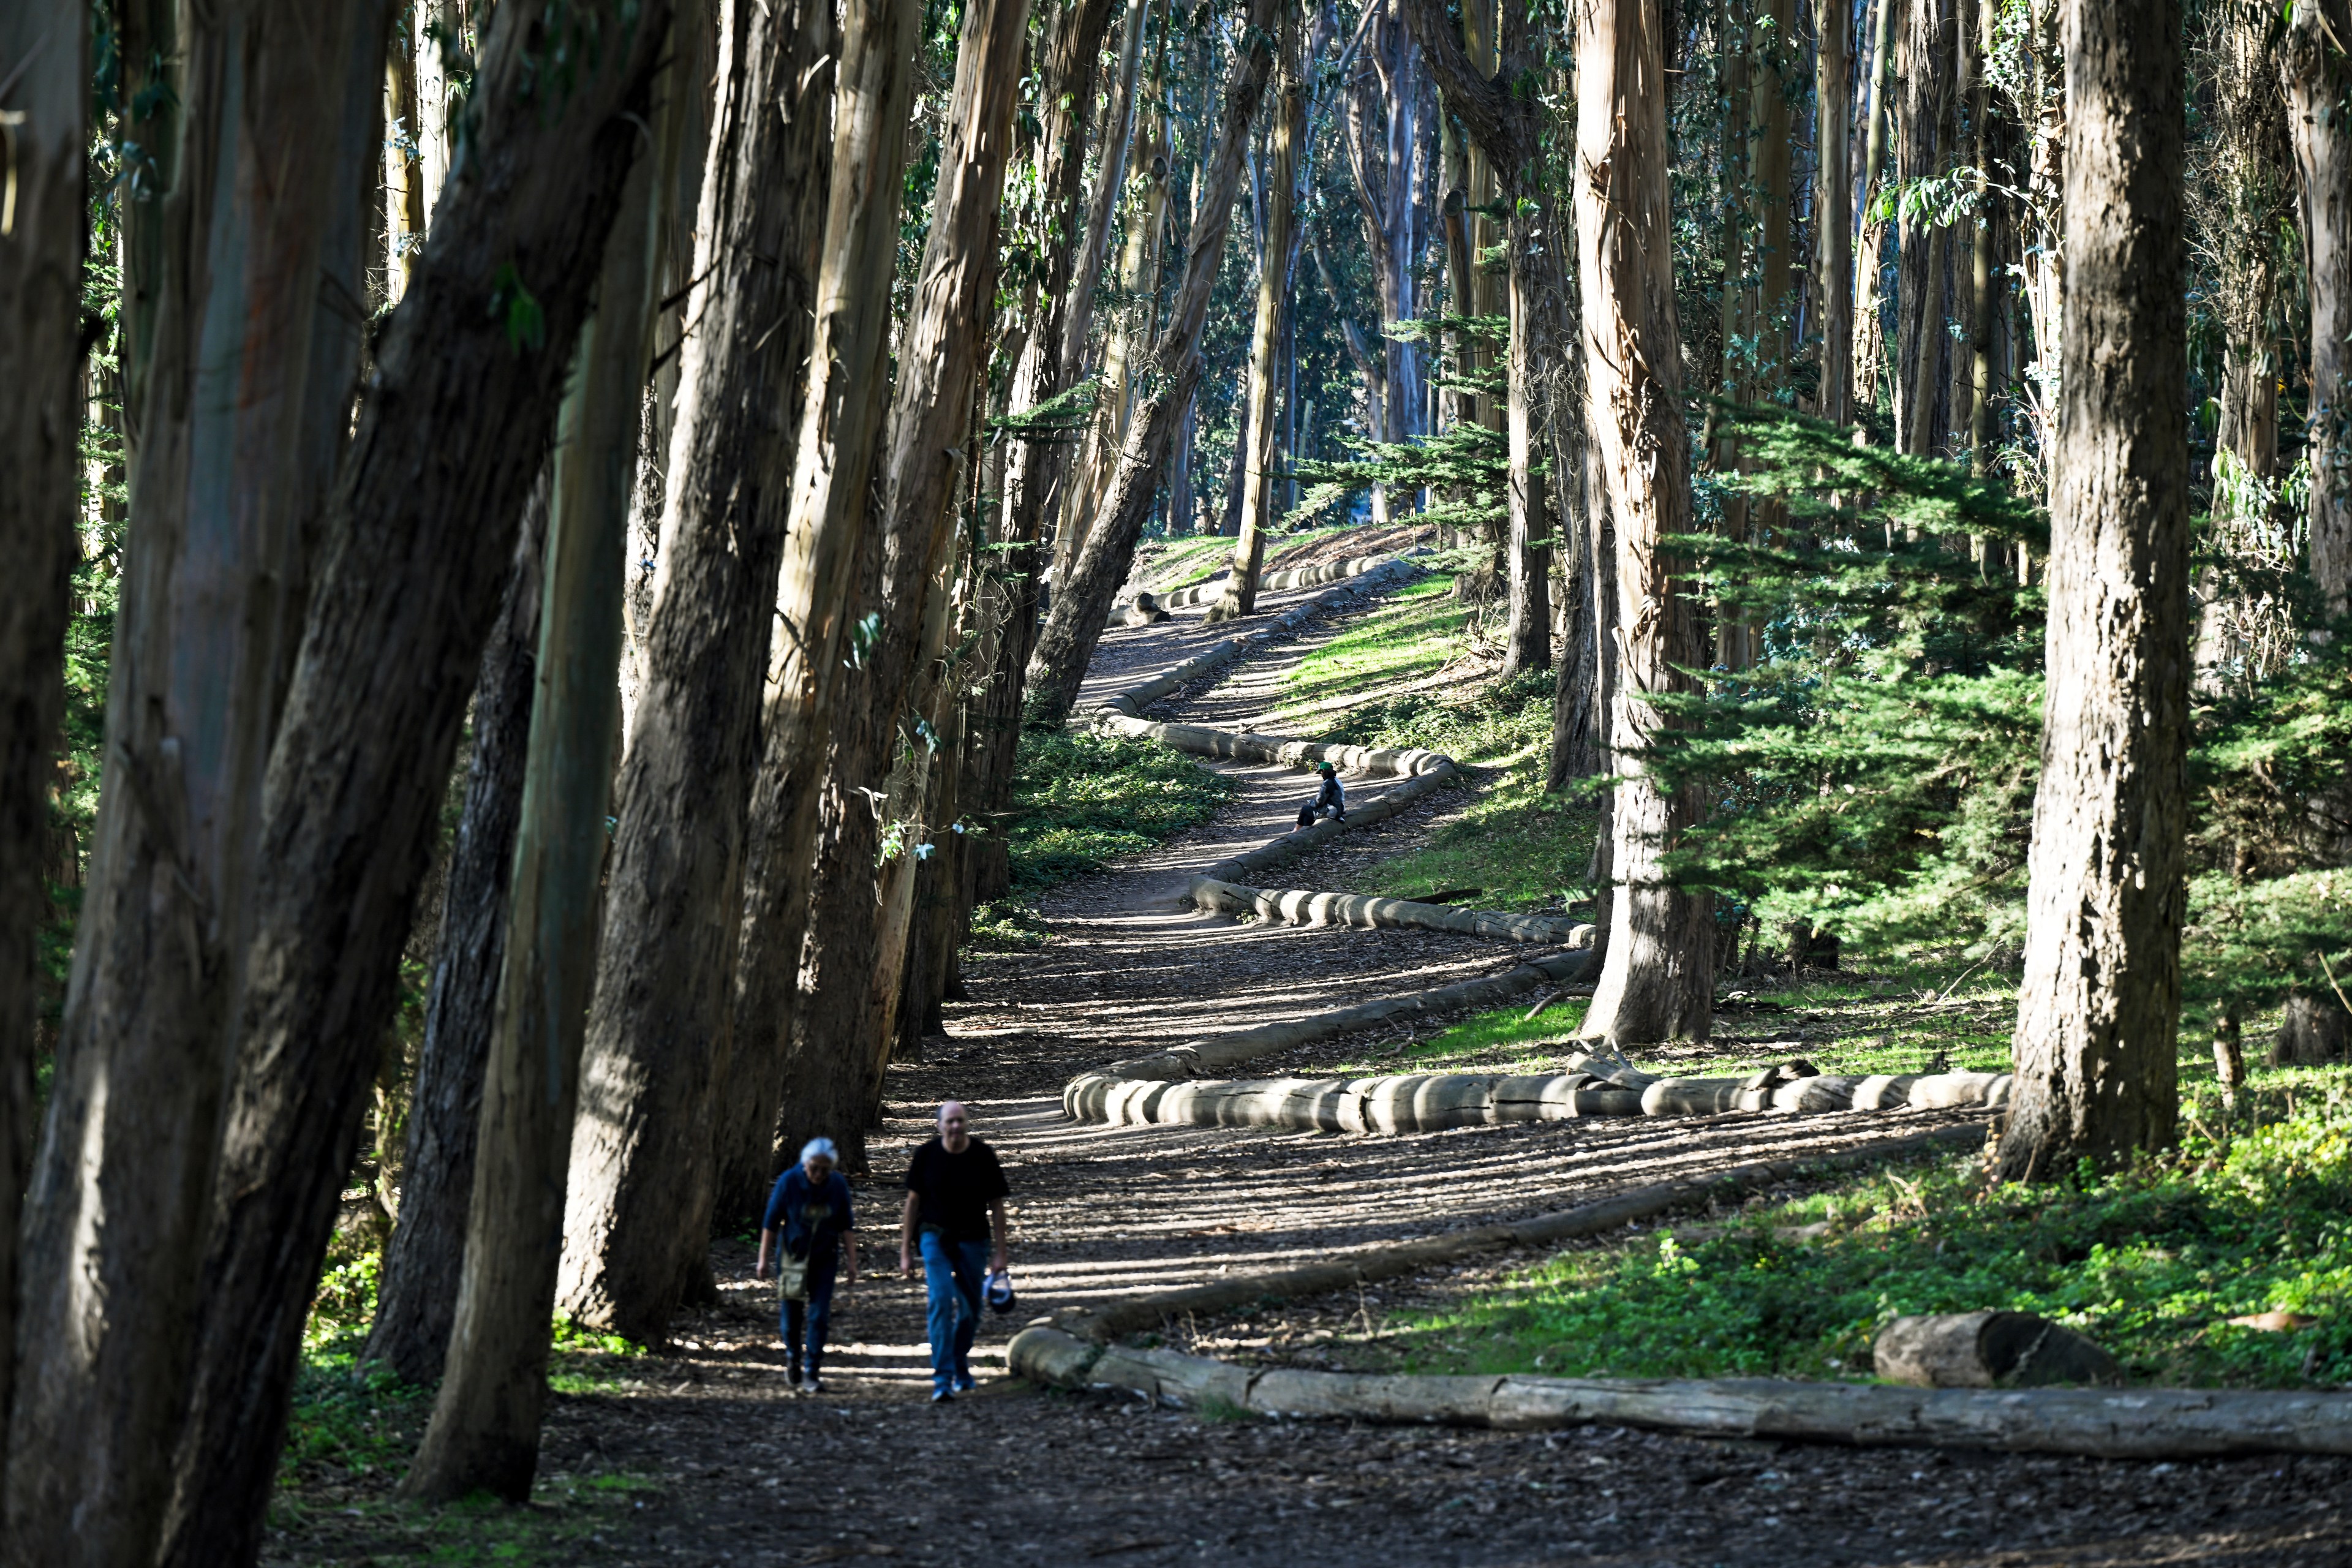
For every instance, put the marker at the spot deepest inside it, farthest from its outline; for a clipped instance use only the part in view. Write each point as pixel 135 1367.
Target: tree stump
pixel 1989 1350
pixel 2312 1033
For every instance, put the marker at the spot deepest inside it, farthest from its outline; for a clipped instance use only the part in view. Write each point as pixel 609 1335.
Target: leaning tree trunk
pixel 1833 205
pixel 1076 623
pixel 1657 982
pixel 40 362
pixel 2099 1005
pixel 417 1299
pixel 836 474
pixel 2318 71
pixel 1288 113
pixel 418 536
pixel 637 1219
pixel 484 1434
pixel 945 335
pixel 113 1231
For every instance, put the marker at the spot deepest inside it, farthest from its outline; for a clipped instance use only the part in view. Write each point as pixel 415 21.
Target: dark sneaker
pixel 811 1385
pixel 963 1383
pixel 942 1396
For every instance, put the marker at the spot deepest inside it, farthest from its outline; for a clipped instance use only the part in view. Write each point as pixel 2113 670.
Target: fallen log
pixel 2134 1424
pixel 1300 908
pixel 1273 582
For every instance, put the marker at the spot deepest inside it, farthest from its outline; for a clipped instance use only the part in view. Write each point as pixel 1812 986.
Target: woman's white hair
pixel 817 1146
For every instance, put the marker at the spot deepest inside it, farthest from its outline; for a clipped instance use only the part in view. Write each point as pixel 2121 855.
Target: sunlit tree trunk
pixel 416 1296
pixel 1657 982
pixel 2099 1006
pixel 1288 114
pixel 1869 330
pixel 1984 295
pixel 40 362
pixel 660 1024
pixel 417 537
pixel 115 1223
pixel 2318 74
pixel 1076 623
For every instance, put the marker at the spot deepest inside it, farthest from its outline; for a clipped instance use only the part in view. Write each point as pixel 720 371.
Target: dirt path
pixel 746 1473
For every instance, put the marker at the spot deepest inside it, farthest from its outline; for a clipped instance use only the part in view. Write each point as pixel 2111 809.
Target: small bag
pixel 792 1277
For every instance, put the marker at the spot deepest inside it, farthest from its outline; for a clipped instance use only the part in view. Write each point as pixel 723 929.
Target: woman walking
pixel 809 1207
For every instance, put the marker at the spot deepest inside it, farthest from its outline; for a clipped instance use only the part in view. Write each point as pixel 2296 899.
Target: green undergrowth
pixel 1082 800
pixel 1406 676
pixel 2251 1214
pixel 566 1513
pixel 1910 1015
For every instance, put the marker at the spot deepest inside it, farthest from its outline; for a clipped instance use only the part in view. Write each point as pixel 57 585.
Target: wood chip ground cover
pixel 696 1454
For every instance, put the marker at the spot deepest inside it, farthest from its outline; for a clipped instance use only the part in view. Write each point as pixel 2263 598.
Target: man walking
pixel 955 1219
pixel 808 1214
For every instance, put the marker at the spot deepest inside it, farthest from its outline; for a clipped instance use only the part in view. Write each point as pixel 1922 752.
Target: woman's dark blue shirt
pixel 811 1215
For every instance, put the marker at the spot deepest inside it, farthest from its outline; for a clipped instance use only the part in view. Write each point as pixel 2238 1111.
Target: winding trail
pixel 745 1473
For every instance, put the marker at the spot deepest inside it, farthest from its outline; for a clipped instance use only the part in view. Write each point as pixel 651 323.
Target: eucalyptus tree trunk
pixel 1924 246
pixel 1869 327
pixel 1834 205
pixel 838 472
pixel 225 489
pixel 416 1296
pixel 1110 179
pixel 2318 74
pixel 2099 1005
pixel 1773 308
pixel 41 364
pixel 1983 297
pixel 1076 623
pixel 1381 116
pixel 1657 981
pixel 484 1434
pixel 418 536
pixel 637 1219
pixel 1289 115
pixel 1501 130
pixel 1129 334
pixel 155 83
pixel 947 331
pixel 404 186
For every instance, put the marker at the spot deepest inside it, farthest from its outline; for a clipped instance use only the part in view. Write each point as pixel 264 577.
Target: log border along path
pixel 1074 1349
pixel 1170 1087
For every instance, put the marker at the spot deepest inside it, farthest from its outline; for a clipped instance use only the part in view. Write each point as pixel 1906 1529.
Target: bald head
pixel 954 1124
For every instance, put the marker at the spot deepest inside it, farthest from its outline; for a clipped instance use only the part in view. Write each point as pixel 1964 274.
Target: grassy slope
pixel 1405 676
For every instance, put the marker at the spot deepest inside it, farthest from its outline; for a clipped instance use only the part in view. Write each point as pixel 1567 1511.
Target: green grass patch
pixel 2248 1216
pixel 1083 800
pixel 566 1513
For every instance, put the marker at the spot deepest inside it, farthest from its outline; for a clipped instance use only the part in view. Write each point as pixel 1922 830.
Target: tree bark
pixel 114 1232
pixel 837 475
pixel 1657 982
pixel 1833 205
pixel 1110 178
pixel 1076 623
pixel 419 531
pixel 2099 1005
pixel 40 362
pixel 940 365
pixel 484 1434
pixel 2318 74
pixel 417 1298
pixel 1869 330
pixel 637 1218
pixel 1983 297
pixel 1289 115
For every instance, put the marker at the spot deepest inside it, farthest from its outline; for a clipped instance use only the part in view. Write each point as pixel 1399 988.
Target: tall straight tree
pixel 930 449
pixel 1658 980
pixel 1878 92
pixel 1076 623
pixel 2099 1006
pixel 44 51
pixel 1287 117
pixel 1500 120
pixel 2318 72
pixel 211 608
pixel 661 1023
pixel 484 1434
pixel 418 536
pixel 787 930
pixel 1833 204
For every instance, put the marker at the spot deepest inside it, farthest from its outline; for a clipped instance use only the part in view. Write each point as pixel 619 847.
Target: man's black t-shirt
pixel 953 1191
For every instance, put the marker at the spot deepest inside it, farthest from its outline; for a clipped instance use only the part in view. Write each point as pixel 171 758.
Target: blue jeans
pixel 815 1315
pixel 951 1276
